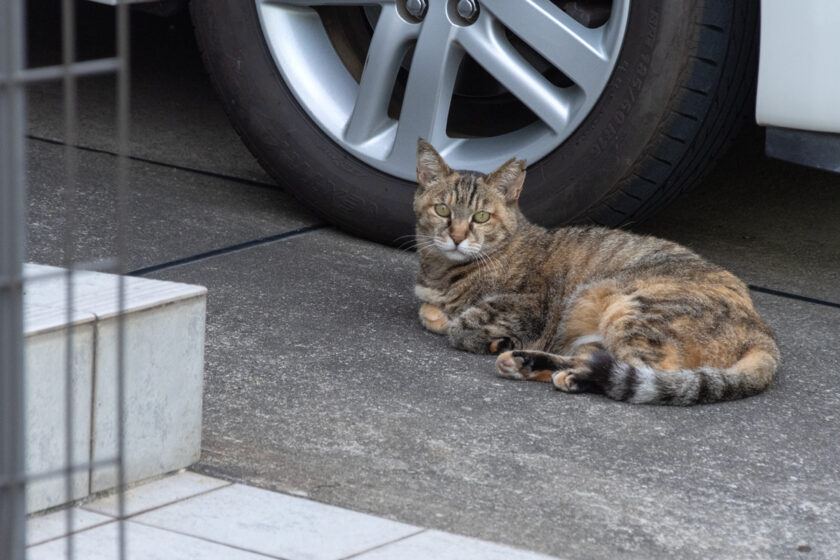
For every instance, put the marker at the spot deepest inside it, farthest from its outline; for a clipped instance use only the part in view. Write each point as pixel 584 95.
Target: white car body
pixel 799 65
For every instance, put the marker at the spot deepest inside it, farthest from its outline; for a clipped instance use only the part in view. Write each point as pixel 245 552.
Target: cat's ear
pixel 508 178
pixel 430 164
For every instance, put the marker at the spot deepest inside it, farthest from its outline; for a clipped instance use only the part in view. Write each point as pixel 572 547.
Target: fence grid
pixel 14 78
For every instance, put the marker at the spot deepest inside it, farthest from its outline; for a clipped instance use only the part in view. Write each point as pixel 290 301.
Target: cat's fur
pixel 637 318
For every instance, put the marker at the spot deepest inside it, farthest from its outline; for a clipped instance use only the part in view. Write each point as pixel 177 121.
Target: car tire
pixel 681 86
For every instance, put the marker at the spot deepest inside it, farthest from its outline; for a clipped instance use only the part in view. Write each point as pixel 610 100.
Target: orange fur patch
pixel 587 315
pixel 541 375
pixel 433 318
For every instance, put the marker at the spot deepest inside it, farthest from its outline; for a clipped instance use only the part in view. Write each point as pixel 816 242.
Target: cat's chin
pixel 455 255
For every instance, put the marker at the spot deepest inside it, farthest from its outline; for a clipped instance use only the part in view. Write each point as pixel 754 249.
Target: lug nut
pixel 467 9
pixel 416 8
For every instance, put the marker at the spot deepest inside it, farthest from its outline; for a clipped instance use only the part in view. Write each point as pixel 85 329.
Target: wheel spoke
pixel 574 49
pixel 431 81
pixel 486 43
pixel 388 46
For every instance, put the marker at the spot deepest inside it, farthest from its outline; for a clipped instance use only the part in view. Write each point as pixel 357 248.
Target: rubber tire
pixel 680 89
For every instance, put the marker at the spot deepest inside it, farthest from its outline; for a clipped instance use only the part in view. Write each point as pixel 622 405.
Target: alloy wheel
pixel 481 79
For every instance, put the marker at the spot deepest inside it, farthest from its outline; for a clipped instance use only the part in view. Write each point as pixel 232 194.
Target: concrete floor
pixel 320 382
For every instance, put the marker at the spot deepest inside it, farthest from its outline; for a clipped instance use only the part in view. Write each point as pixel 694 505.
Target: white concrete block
pixel 161 325
pixel 46 390
pixel 163 375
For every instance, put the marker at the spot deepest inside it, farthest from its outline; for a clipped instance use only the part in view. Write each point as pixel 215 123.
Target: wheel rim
pixel 522 45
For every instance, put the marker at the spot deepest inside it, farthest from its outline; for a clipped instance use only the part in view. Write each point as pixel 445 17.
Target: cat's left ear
pixel 430 164
pixel 508 178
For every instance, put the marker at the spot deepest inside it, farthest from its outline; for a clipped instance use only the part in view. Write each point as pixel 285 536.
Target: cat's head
pixel 464 214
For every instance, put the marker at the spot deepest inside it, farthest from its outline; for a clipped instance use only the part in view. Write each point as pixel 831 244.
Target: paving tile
pixel 54 525
pixel 170 214
pixel 446 546
pixel 150 495
pixel 276 524
pixel 142 543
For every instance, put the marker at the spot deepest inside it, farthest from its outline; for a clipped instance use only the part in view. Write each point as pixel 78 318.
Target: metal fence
pixel 15 75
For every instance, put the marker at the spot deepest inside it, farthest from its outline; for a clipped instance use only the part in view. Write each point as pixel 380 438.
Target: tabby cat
pixel 588 309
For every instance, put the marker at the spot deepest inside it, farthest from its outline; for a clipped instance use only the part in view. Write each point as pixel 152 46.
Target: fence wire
pixel 12 491
pixel 15 76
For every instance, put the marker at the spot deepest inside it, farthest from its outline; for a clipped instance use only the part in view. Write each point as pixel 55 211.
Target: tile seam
pixel 167 504
pixel 797 297
pixel 205 539
pixel 65 535
pixel 230 249
pixel 242 180
pixel 383 545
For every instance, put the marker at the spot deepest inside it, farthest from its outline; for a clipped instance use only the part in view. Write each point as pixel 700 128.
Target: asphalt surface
pixel 320 381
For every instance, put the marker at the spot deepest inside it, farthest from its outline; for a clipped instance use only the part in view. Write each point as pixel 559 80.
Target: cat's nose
pixel 458 233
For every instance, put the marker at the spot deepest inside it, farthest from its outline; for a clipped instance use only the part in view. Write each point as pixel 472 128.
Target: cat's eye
pixel 442 210
pixel 481 217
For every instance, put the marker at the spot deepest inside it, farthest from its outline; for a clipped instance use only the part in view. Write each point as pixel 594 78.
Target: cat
pixel 588 309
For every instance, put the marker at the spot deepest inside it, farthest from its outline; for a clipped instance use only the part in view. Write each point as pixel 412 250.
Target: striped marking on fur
pixel 647 385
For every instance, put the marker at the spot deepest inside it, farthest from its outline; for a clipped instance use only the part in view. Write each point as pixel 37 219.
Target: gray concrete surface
pixel 319 380
pixel 172 214
pixel 176 117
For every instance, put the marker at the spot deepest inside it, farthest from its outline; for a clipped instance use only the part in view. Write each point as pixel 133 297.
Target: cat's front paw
pixel 474 331
pixel 527 364
pixel 433 318
pixel 508 365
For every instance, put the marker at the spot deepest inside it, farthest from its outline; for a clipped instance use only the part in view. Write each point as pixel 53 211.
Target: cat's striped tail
pixel 646 385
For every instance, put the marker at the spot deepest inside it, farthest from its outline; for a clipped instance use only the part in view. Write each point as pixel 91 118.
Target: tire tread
pixel 727 95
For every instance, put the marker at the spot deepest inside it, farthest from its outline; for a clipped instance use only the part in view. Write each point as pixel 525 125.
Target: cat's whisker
pixel 418 242
pixel 498 265
pixel 496 268
pixel 418 248
pixel 481 265
pixel 490 266
pixel 412 239
pixel 491 269
pixel 490 262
